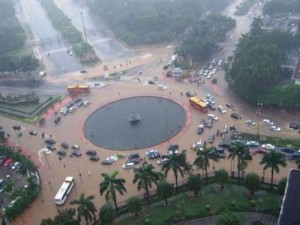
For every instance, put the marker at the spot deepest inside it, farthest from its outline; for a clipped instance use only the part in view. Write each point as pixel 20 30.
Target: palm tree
pixel 238 149
pixel 145 176
pixel 203 157
pixel 177 163
pixel 273 160
pixel 86 208
pixel 110 185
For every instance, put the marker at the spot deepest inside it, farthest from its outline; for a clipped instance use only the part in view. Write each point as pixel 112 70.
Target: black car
pixel 209 123
pixel 173 147
pixel 211 107
pixel 50 141
pixel 91 152
pixel 287 151
pixel 153 155
pixel 64 145
pixel 294 126
pixel 32 133
pixel 151 82
pixel 134 160
pixel 51 147
pixel 94 158
pixel 236 116
pixel 57 120
pixel 75 147
pixel 106 162
pixel 294 156
pixel 189 94
pixel 211 139
pixel 224 145
pixel 16 127
pixel 200 130
pixel 76 153
pixel 61 152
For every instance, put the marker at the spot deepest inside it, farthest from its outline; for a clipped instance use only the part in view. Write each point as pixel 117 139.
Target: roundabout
pixel 135 123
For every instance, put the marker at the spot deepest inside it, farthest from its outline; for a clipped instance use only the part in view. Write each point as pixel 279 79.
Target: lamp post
pixel 84 31
pixel 258 112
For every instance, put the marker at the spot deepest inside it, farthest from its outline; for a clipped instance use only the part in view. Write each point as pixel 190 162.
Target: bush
pixel 134 205
pixel 281 186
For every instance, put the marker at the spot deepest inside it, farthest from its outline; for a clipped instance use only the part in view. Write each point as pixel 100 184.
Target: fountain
pixel 134 117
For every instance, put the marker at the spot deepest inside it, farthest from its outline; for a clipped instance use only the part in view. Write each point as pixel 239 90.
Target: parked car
pixel 220 152
pixel 50 141
pixel 151 82
pixel 268 146
pixel 3 158
pixel 294 126
pixel 16 127
pixel 76 153
pixel 75 147
pixel 287 151
pixel 134 156
pixel 200 129
pixel 64 145
pixel 61 152
pixel 202 121
pixel 211 139
pixel 230 106
pixel 7 162
pixel 268 122
pixel 250 122
pixel 211 106
pixel 57 120
pixel 198 145
pixel 294 156
pixel 14 166
pixel 224 145
pixel 91 152
pixel 209 123
pixel 94 158
pixel 252 143
pixel 274 128
pixel 173 147
pixel 189 94
pixel 86 103
pixel 236 116
pixel 212 116
pixel 72 109
pixel 221 109
pixel 162 161
pixel 51 147
pixel 153 154
pixel 128 165
pixel 106 162
pixel 33 133
pixel 260 151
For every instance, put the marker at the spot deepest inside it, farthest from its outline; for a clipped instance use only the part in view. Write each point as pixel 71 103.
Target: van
pixel 161 87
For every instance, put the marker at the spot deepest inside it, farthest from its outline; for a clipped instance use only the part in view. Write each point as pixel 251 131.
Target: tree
pixel 252 182
pixel 282 185
pixel 134 205
pixel 64 217
pixel 221 177
pixel 238 149
pixel 256 26
pixel 165 190
pixel 177 163
pixel 107 214
pixel 111 184
pixel 203 157
pixel 273 160
pixel 86 208
pixel 194 183
pixel 230 218
pixel 145 176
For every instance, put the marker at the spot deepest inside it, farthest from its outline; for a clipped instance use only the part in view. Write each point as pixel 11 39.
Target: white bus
pixel 64 191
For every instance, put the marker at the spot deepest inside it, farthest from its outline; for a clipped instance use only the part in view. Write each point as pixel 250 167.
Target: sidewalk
pixel 250 217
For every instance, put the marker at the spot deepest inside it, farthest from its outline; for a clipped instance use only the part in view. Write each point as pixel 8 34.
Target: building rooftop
pixel 289 214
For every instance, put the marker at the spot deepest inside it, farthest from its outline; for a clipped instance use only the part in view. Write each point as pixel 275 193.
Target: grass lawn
pixel 233 197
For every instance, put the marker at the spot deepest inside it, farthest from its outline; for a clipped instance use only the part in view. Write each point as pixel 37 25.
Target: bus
pixel 198 104
pixel 64 191
pixel 78 89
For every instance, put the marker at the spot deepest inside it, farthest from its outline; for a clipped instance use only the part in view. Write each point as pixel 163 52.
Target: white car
pixel 72 109
pixel 221 109
pixel 250 122
pixel 268 146
pixel 275 128
pixel 268 122
pixel 128 165
pixel 161 87
pixel 151 151
pixel 162 161
pixel 212 116
pixel 86 103
pixel 113 158
pixel 198 145
pixel 14 166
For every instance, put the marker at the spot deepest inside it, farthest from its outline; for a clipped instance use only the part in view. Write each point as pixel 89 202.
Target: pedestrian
pixel 43 135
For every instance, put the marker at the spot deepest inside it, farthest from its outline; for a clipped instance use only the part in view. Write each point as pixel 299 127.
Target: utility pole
pixel 84 31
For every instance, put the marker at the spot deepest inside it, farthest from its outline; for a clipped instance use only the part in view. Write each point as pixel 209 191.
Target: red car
pixel 260 151
pixel 7 162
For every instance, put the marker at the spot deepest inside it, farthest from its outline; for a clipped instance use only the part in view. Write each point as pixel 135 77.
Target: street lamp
pixel 258 112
